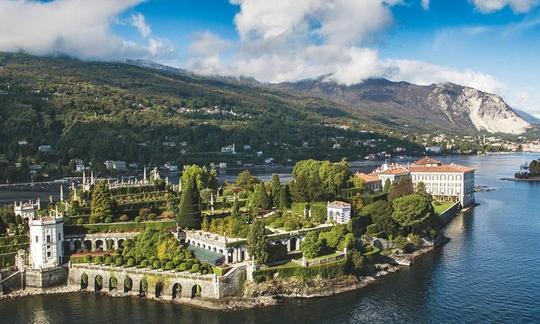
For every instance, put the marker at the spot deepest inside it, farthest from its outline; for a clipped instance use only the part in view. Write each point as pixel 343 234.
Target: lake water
pixel 488 272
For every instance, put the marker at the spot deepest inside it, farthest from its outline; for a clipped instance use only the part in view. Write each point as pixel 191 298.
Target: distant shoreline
pixel 537 179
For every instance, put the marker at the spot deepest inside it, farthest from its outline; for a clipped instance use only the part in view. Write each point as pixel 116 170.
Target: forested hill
pixel 98 111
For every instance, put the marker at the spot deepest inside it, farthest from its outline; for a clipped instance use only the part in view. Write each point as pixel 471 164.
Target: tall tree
pixel 258 242
pixel 235 209
pixel 259 198
pixel 190 213
pixel 284 197
pixel 246 181
pixel 411 212
pixel 275 186
pixel 102 204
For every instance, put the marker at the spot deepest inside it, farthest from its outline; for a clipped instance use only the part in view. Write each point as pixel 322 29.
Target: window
pixel 48 254
pixel 48 239
pixel 59 236
pixel 37 238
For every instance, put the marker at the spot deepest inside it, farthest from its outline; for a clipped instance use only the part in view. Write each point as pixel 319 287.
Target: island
pixel 231 245
pixel 530 172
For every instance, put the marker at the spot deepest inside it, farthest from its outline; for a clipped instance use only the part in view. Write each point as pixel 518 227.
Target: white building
pixel 338 212
pixel 116 165
pixel 444 181
pixel 46 236
pixel 228 149
pixel 27 210
pixel 392 172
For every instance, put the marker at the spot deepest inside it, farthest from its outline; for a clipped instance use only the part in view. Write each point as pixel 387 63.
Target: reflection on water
pixel 488 272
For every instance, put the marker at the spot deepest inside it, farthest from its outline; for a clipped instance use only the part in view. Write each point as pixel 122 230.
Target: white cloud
pixel 425 73
pixel 139 22
pixel 425 4
pixel 293 40
pixel 518 6
pixel 79 28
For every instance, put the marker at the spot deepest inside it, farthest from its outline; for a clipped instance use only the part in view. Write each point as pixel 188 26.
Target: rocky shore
pixel 39 291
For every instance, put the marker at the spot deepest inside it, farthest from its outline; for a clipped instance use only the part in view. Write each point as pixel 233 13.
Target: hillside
pixel 446 106
pixel 97 111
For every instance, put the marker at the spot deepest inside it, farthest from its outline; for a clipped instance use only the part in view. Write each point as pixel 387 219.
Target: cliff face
pixel 444 105
pixel 483 110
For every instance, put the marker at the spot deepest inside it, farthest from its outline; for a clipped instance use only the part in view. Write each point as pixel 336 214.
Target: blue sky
pixel 492 45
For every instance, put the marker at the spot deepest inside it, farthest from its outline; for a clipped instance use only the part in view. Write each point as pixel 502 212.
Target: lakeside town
pixel 232 245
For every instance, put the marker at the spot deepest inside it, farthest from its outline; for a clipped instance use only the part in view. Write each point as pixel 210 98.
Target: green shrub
pixel 108 259
pixel 144 263
pixel 195 268
pixel 152 217
pixel 138 219
pixel 182 267
pixel 131 262
pixel 169 265
pixel 123 218
pixel 119 261
pixel 156 264
pixel 109 219
pixel 87 258
pixel 373 229
pixel 98 259
pixel 80 221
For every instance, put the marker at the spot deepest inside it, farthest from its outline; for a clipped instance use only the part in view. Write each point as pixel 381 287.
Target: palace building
pixel 445 182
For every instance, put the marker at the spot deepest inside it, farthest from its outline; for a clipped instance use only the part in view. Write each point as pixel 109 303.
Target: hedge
pixel 369 199
pixel 325 271
pixel 318 212
pixel 298 208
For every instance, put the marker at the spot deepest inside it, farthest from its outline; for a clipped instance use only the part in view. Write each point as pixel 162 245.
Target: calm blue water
pixel 488 272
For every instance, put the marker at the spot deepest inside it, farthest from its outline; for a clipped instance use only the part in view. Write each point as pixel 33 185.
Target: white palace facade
pixel 445 182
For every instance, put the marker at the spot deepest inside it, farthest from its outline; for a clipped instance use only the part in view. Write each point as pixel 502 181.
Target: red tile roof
pixel 427 160
pixel 368 177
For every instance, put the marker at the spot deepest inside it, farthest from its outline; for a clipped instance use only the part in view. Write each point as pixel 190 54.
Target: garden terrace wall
pixel 212 286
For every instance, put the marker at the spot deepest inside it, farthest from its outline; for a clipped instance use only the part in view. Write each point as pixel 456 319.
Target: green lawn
pixel 440 208
pixel 322 257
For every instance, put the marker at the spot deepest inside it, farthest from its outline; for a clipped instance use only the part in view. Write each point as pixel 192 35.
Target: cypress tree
pixel 275 186
pixel 258 242
pixel 190 213
pixel 284 197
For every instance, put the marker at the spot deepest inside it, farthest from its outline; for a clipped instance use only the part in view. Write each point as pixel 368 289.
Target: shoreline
pixel 291 288
pixel 522 180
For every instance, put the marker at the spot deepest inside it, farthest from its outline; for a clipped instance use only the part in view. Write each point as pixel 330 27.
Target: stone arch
pixel 143 287
pixel 77 245
pixel 214 249
pixel 230 254
pixel 98 283
pixel 99 245
pixel 176 290
pixel 292 243
pixel 128 284
pixel 109 244
pixel 120 243
pixel 84 281
pixel 196 291
pixel 66 247
pixel 159 289
pixel 113 283
pixel 88 245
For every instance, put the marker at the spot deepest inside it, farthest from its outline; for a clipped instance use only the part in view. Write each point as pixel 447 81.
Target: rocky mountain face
pixel 443 105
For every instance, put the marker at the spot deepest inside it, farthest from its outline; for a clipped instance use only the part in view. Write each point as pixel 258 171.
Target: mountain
pixel 443 106
pixel 144 112
pixel 528 117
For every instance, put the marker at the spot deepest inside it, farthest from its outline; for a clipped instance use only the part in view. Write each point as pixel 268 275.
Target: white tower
pixel 46 237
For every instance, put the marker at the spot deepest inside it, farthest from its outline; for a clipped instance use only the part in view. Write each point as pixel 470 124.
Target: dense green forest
pixel 98 111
